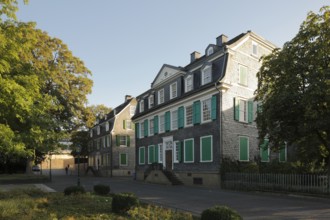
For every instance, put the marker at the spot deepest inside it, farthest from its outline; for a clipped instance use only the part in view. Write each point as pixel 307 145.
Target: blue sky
pixel 125 42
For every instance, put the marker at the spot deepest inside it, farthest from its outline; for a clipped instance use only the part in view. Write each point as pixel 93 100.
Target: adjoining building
pixel 194 116
pixel 112 145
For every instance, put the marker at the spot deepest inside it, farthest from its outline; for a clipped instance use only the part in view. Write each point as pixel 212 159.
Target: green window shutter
pixel 206 150
pixel 151 154
pixel 214 108
pixel 181 117
pixel 137 130
pixel 250 111
pixel 141 155
pixel 264 152
pixel 179 146
pixel 188 151
pixel 167 121
pixel 123 159
pixel 128 140
pixel 197 112
pixel 124 124
pixel 156 124
pixel 146 128
pixel 117 140
pixel 282 156
pixel 236 109
pixel 243 149
pixel 156 154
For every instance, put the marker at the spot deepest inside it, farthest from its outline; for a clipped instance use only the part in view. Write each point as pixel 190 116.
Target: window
pixel 108 141
pixel 142 155
pixel 243 75
pixel 98 130
pixel 254 49
pixel 141 129
pixel 243 148
pixel 161 98
pixel 206 110
pixel 243 110
pixel 151 154
pixel 142 106
pixel 161 123
pixel 189 115
pixel 174 120
pixel 189 83
pixel 151 127
pixel 123 160
pixel 132 110
pixel 177 150
pixel 103 142
pixel 283 153
pixel 122 140
pixel 206 150
pixel 151 101
pixel 264 151
pixel 160 148
pixel 206 74
pixel 173 90
pixel 209 51
pixel 91 133
pixel 189 151
pixel 107 126
pixel 127 124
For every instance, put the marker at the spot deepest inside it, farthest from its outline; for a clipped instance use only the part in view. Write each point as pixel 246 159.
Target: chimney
pixel 194 56
pixel 128 97
pixel 221 40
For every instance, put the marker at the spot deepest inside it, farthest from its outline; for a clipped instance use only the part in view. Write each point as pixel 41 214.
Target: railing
pixel 304 183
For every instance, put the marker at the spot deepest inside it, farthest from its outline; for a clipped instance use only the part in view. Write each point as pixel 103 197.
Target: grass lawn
pixel 22 178
pixel 33 204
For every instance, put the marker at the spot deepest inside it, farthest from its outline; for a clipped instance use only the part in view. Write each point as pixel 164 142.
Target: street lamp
pixel 78 150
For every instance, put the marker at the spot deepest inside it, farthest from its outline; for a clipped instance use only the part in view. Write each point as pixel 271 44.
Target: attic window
pixel 209 51
pixel 107 126
pixel 165 74
pixel 207 74
pixel 254 49
pixel 142 106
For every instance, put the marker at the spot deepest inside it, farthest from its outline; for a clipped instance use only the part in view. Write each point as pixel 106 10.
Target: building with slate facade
pixel 112 145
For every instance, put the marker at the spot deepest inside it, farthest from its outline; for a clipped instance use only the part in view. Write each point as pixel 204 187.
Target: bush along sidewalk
pixel 220 213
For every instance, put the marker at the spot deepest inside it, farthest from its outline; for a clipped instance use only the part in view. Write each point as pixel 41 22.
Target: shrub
pixel 146 212
pixel 220 213
pixel 74 190
pixel 122 202
pixel 101 189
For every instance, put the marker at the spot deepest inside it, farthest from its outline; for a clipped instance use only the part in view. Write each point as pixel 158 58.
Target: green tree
pixel 94 112
pixel 294 91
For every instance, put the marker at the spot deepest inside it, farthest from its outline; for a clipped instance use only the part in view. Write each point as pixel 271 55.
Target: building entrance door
pixel 168 157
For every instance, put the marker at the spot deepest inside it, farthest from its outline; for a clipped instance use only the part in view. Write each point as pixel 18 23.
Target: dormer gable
pixel 210 49
pixel 165 74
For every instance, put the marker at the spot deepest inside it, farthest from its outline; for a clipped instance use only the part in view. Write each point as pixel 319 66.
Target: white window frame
pixel 160 153
pixel 91 133
pixel 161 96
pixel 161 126
pixel 176 152
pixel 142 106
pixel 122 142
pixel 209 110
pixel 207 74
pixel 151 101
pixel 141 129
pixel 151 127
pixel 120 164
pixel 173 90
pixel 128 124
pixel 209 51
pixel 186 115
pixel 240 72
pixel 203 161
pixel 189 83
pixel 98 130
pixel 108 140
pixel 243 112
pixel 174 120
pixel 107 126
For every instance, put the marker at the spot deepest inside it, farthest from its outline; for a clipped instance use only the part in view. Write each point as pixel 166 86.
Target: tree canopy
pixel 294 91
pixel 43 89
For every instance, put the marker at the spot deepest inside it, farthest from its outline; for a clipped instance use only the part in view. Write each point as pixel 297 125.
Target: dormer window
pixel 151 101
pixel 98 130
pixel 161 97
pixel 142 106
pixel 209 51
pixel 207 74
pixel 173 90
pixel 107 126
pixel 189 83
